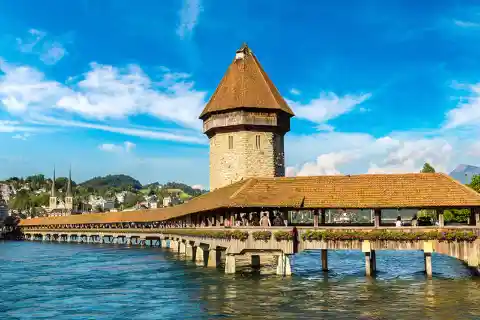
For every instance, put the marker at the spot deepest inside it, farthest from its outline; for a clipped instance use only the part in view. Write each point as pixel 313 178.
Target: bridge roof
pixel 245 85
pixel 414 190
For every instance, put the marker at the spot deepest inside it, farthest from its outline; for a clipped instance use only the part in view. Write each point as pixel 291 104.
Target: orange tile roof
pixel 245 85
pixel 414 190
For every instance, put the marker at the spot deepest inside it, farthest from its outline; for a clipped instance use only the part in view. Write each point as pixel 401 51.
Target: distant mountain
pixel 120 181
pixel 464 173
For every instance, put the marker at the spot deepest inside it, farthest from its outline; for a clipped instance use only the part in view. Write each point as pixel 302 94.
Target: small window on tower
pixel 230 142
pixel 257 141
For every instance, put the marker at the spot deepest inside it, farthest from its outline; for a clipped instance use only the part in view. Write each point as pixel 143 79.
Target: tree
pixel 427 168
pixel 475 183
pixel 132 199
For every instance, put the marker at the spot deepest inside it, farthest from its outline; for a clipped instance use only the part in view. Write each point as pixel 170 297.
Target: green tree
pixel 427 168
pixel 475 183
pixel 132 199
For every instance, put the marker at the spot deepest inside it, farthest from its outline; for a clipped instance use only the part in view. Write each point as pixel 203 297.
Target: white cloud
pixel 127 147
pixel 8 126
pixel 130 131
pixel 325 164
pixel 104 92
pixel 189 14
pixel 53 52
pixel 37 42
pixel 355 153
pixel 467 113
pixel 327 106
pixel 295 92
pixel 325 127
pixel 466 24
pixel 21 136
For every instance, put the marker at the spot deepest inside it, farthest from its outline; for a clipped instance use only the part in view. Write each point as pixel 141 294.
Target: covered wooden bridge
pixel 209 223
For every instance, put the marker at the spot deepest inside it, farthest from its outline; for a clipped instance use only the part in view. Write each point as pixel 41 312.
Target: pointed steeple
pixel 69 185
pixel 245 85
pixel 52 192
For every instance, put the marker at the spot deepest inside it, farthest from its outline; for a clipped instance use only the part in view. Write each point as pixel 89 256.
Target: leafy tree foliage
pixel 120 181
pixel 132 199
pixel 475 183
pixel 427 168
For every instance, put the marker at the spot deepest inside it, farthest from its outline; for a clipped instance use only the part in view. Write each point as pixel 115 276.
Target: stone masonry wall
pixel 244 160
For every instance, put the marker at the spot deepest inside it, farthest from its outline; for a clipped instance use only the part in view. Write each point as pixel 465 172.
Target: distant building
pixel 170 201
pixel 108 204
pixel 5 191
pixel 3 208
pixel 58 208
pixel 121 196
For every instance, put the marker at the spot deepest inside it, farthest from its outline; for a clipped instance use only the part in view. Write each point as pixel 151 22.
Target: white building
pixel 170 201
pixel 121 196
pixel 5 191
pixel 3 209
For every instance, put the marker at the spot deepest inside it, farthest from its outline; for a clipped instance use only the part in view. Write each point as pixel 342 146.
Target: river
pixel 81 281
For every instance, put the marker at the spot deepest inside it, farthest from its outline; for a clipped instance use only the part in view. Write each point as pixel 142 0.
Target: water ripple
pixel 71 281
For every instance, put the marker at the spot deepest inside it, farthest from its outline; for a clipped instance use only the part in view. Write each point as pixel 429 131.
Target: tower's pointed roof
pixel 245 85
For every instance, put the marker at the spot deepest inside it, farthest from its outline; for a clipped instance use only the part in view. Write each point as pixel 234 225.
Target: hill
pixel 464 173
pixel 117 181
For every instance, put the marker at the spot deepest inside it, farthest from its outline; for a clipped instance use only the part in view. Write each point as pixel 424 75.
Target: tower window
pixel 230 142
pixel 257 141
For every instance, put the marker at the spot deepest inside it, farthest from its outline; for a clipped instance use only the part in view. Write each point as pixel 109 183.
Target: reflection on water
pixel 72 281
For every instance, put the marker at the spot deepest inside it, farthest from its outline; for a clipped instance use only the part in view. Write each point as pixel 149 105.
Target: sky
pixel 110 87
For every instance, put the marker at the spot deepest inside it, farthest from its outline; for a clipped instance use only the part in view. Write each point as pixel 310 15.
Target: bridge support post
pixel 190 250
pixel 473 255
pixel 183 247
pixel 324 260
pixel 230 264
pixel 255 261
pixel 427 254
pixel 200 255
pixel 373 256
pixel 367 250
pixel 174 245
pixel 284 268
pixel 214 258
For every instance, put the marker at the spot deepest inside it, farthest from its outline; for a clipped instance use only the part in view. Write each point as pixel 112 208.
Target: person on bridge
pixel 265 221
pixel 278 221
pixel 398 223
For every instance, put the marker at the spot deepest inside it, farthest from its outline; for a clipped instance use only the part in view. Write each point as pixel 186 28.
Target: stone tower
pixel 245 120
pixel 53 196
pixel 69 197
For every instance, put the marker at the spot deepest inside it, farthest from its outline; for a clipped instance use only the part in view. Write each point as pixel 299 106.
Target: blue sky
pixel 117 86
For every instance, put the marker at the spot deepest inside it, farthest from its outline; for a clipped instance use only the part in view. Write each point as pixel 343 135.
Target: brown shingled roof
pixel 414 190
pixel 245 85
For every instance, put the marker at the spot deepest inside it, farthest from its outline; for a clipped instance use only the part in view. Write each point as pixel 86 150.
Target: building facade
pixel 58 208
pixel 245 120
pixel 3 209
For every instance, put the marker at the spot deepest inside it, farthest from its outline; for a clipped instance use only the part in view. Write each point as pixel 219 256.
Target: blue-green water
pixel 79 281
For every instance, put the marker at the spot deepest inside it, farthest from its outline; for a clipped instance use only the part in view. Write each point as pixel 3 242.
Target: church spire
pixel 52 193
pixel 69 185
